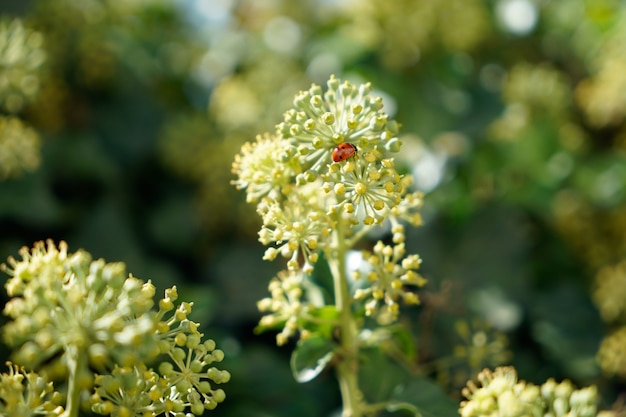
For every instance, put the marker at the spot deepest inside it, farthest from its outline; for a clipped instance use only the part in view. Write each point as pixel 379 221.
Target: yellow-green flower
pixel 263 169
pixel 285 307
pixel 68 302
pixel 25 394
pixel 391 277
pixel 320 121
pixel 501 394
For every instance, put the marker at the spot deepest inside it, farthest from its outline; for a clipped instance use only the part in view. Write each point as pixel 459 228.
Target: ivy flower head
pixel 366 189
pixel 67 301
pixel 500 393
pixel 391 278
pixel 262 168
pixel 27 394
pixel 320 121
pixel 298 227
pixel 285 307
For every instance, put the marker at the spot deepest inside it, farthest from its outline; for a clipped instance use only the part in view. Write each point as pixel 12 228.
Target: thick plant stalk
pixel 348 366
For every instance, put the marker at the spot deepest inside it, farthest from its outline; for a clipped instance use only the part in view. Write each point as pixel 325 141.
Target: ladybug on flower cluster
pixel 343 151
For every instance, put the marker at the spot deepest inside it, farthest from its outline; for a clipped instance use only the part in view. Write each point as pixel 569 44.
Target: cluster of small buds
pixel 189 374
pixel 480 344
pixel 611 355
pixel 366 188
pixel 345 113
pixel 188 370
pixel 132 391
pixel 27 394
pixel 284 306
pixel 52 290
pixel 391 277
pixel 262 169
pixel 501 394
pixel 296 228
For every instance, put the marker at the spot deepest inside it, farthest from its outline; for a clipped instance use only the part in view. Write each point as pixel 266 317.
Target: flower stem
pixel 75 358
pixel 348 366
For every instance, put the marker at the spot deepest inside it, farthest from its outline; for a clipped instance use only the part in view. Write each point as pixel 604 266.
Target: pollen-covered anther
pixel 411 262
pixel 374 175
pixel 379 205
pixel 340 188
pixel 349 208
pixel 412 277
pixel 370 157
pixel 292 265
pixel 396 284
pixel 411 298
pixel 348 167
pixel 270 254
pixel 398 238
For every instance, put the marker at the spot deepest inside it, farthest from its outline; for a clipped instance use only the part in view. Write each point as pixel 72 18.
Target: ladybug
pixel 343 151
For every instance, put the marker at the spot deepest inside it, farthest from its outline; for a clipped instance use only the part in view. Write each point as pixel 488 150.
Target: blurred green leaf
pixel 311 356
pixel 428 397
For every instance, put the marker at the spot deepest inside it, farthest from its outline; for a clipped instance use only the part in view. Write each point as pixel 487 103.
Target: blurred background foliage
pixel 119 120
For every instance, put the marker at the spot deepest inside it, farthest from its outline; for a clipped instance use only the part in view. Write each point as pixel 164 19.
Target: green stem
pixel 75 358
pixel 348 365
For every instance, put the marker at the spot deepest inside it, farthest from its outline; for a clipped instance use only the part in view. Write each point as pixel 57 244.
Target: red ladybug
pixel 343 151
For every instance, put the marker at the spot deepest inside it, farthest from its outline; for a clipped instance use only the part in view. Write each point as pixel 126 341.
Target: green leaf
pixel 325 323
pixel 311 357
pixel 426 396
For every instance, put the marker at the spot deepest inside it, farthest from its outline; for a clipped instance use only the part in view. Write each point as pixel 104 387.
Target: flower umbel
pixel 390 278
pixel 63 299
pixel 73 316
pixel 260 168
pixel 299 230
pixel 344 113
pixel 27 394
pixel 284 308
pixel 502 394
